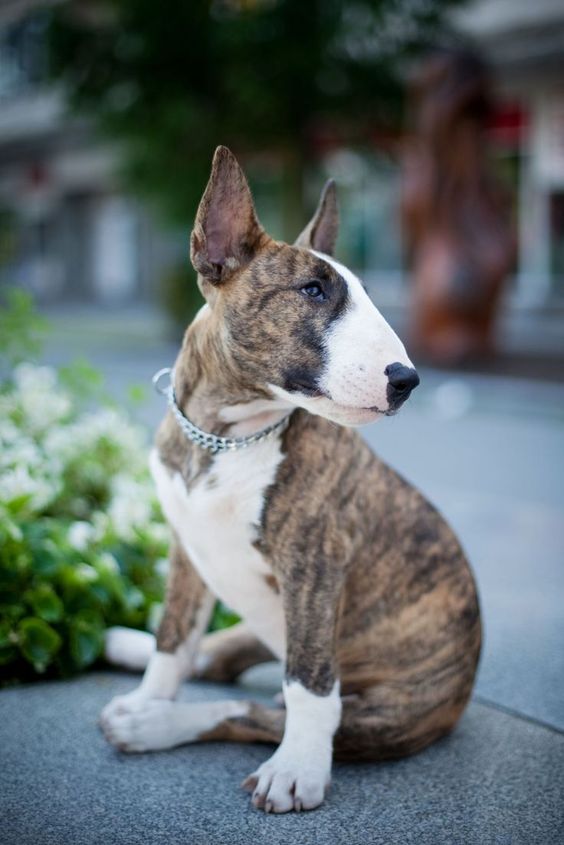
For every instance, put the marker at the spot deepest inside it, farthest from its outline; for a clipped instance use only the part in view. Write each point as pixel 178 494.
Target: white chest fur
pixel 216 522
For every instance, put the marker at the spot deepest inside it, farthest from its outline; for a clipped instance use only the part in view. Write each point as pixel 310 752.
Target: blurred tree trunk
pixel 293 194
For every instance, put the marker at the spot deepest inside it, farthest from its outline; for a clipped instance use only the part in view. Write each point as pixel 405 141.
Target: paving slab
pixel 497 780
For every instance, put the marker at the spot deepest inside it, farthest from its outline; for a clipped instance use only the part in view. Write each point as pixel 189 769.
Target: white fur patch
pixel 164 672
pixel 250 417
pixel 360 345
pixel 155 725
pixel 298 773
pixel 217 521
pixel 161 680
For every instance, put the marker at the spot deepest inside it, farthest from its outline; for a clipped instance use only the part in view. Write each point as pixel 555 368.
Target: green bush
pixel 82 541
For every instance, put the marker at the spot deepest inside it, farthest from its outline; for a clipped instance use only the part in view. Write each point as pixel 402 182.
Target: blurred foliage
pixel 180 297
pixel 172 81
pixel 82 541
pixel 21 329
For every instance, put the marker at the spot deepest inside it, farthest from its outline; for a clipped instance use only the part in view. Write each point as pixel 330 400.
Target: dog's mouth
pixel 307 389
pixel 313 391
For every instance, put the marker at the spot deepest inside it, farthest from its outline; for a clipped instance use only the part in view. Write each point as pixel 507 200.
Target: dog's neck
pixel 212 394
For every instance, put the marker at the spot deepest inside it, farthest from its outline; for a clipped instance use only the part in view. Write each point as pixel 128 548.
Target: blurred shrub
pixel 82 540
pixel 180 296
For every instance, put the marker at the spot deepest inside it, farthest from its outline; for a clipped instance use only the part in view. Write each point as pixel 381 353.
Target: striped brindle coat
pixel 336 565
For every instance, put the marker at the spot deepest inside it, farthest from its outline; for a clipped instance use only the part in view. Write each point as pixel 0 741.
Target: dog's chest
pixel 217 523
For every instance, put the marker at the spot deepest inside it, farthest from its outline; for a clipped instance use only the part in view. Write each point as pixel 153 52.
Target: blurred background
pixel 443 125
pixel 110 111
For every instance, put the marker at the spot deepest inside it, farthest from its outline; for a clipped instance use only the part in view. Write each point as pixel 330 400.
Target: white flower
pixel 100 522
pixel 87 572
pixel 108 562
pixel 9 432
pixel 17 482
pixel 162 567
pixel 80 535
pixel 73 441
pixel 21 451
pixel 130 507
pixel 8 404
pixel 158 532
pixel 39 397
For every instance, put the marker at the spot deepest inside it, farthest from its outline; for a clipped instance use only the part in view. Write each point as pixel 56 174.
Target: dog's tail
pixel 128 648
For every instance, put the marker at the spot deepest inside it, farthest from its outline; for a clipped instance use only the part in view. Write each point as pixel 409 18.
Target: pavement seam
pixel 509 711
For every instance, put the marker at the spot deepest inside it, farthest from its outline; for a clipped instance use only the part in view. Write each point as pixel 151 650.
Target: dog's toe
pixel 249 783
pixel 279 787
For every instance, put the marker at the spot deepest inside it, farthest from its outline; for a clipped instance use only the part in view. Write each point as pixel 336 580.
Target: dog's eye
pixel 314 291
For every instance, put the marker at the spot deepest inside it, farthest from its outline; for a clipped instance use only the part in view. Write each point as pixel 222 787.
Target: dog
pixel 335 564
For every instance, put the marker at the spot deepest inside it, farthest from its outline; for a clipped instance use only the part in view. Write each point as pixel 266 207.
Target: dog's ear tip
pixel 222 155
pixel 330 189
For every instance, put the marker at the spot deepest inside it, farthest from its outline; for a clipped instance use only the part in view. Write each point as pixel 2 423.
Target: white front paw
pixel 118 708
pixel 123 704
pixel 139 724
pixel 287 783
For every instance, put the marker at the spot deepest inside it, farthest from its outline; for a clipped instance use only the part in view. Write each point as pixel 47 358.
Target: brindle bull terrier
pixel 335 564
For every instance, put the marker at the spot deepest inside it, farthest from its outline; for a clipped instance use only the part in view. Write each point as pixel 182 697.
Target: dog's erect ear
pixel 226 233
pixel 322 230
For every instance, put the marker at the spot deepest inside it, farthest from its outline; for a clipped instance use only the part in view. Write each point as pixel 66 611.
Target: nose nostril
pixel 401 380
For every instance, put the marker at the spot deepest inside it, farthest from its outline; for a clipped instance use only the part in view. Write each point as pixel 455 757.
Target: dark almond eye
pixel 314 291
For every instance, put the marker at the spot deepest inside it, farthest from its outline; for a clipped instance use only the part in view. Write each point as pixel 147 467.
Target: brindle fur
pixel 230 652
pixel 376 589
pixel 184 597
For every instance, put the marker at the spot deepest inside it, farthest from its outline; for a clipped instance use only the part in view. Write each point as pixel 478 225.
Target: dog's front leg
pixel 296 777
pixel 186 616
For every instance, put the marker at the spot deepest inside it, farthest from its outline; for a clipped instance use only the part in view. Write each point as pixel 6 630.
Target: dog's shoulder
pixel 316 486
pixel 179 455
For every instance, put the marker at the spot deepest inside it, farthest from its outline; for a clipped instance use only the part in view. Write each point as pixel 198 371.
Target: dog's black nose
pixel 401 381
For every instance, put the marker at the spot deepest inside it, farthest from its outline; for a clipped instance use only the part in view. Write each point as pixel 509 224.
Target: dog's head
pixel 293 323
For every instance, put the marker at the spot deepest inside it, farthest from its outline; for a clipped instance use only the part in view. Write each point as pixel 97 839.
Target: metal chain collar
pixel 210 442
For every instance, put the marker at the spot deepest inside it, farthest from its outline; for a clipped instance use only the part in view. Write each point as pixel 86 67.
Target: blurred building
pixel 524 44
pixel 68 232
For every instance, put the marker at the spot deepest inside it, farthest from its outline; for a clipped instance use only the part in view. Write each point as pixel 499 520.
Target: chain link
pixel 210 442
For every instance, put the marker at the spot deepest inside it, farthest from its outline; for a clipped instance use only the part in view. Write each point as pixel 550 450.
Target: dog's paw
pixel 117 708
pixel 136 724
pixel 123 704
pixel 281 785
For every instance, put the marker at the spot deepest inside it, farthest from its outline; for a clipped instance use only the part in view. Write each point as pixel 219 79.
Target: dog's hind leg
pixel 224 655
pixel 397 719
pixel 388 721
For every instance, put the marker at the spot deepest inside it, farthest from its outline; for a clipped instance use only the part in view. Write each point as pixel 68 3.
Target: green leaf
pixel 38 642
pixel 46 562
pixel 222 617
pixel 8 649
pixel 82 380
pixel 86 638
pixel 137 394
pixel 45 602
pixel 21 329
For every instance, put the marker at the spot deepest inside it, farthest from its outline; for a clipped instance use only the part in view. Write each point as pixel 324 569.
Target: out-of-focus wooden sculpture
pixel 455 219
